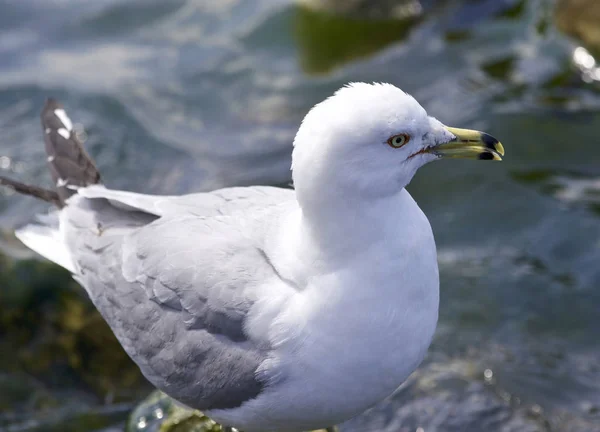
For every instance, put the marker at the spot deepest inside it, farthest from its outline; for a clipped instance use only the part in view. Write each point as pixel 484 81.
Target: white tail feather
pixel 46 239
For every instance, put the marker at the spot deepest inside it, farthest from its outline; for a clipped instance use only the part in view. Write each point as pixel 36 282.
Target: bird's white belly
pixel 342 357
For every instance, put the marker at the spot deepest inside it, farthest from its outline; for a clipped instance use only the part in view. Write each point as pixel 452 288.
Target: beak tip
pixel 494 145
pixel 491 142
pixel 499 148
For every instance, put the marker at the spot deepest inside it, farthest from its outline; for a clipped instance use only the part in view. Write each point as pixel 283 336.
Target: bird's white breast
pixel 352 335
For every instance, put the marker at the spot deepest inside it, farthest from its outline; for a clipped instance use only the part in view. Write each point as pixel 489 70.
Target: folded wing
pixel 177 288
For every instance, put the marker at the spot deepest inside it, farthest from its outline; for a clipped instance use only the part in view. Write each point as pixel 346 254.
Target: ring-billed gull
pixel 269 309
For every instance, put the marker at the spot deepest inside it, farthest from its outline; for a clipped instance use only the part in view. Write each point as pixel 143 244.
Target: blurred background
pixel 189 95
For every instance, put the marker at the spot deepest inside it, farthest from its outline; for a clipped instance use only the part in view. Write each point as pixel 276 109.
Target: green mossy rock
pixel 52 335
pixel 160 413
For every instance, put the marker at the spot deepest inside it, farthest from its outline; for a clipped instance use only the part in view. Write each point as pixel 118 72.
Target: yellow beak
pixel 470 144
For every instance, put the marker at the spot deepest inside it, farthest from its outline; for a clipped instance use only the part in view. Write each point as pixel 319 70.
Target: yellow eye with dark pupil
pixel 398 141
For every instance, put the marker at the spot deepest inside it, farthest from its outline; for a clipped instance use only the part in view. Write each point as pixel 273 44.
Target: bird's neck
pixel 346 224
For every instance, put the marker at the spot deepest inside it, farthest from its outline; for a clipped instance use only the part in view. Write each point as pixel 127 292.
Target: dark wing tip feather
pixel 70 165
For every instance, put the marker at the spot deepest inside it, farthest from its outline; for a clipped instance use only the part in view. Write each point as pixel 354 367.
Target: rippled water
pixel 191 95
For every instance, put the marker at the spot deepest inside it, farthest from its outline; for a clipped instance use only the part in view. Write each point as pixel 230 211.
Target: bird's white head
pixel 368 140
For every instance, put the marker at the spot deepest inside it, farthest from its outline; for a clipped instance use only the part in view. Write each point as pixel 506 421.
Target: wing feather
pixel 175 278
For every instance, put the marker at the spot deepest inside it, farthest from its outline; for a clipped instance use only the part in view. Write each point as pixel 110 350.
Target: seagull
pixel 269 309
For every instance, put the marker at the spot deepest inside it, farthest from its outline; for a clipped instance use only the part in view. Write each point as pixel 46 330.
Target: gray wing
pixel 177 287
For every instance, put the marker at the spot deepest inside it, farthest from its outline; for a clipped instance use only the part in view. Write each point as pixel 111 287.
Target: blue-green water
pixel 190 95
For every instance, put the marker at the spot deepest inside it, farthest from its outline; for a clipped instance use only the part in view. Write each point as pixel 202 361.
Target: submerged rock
pixel 580 19
pixel 329 38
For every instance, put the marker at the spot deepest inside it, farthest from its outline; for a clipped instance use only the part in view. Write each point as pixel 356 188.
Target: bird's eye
pixel 398 141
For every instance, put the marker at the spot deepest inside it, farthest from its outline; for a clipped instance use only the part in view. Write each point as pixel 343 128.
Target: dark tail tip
pixel 69 163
